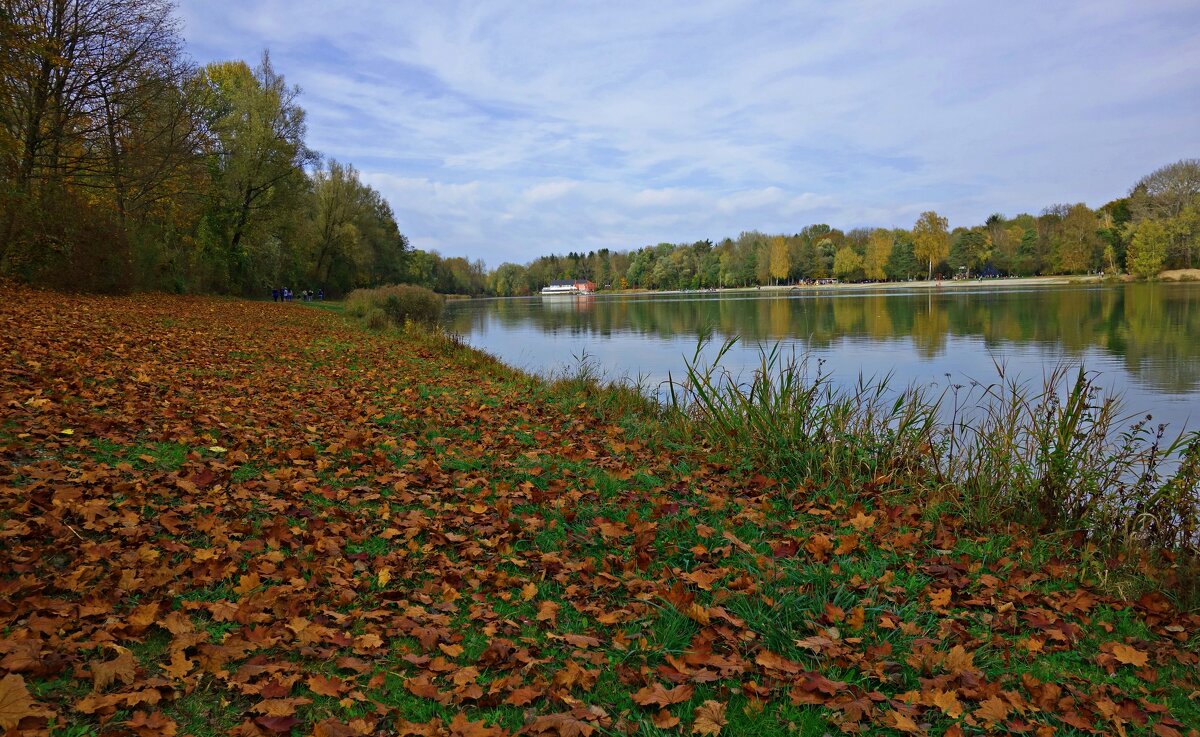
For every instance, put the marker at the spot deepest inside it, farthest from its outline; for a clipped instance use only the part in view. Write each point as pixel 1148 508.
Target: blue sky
pixel 504 131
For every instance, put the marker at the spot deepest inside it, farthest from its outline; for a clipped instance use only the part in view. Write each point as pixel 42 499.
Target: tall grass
pixel 1060 456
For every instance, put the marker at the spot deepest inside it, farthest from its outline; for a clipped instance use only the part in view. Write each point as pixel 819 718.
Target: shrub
pixel 396 304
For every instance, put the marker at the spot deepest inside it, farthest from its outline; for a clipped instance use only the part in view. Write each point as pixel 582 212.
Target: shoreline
pixel 936 284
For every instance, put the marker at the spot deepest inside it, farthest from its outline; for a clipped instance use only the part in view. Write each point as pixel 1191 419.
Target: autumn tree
pixel 1077 240
pixel 931 241
pixel 847 263
pixel 879 250
pixel 780 260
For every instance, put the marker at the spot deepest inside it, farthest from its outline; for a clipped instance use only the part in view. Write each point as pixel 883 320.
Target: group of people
pixel 283 294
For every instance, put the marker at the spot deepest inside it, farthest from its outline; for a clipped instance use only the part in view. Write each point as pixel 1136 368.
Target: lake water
pixel 1142 340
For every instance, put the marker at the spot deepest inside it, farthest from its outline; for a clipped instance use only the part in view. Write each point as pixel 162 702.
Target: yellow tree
pixel 931 239
pixel 879 250
pixel 781 261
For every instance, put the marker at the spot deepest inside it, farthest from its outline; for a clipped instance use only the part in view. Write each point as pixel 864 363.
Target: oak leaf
pixel 709 718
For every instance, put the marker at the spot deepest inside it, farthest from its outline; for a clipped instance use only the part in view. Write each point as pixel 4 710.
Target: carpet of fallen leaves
pixel 225 517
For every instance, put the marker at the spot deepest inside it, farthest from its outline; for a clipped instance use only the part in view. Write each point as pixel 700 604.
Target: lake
pixel 1142 340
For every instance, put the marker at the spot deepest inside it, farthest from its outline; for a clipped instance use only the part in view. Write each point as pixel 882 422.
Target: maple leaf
pixel 656 695
pixel 862 522
pixel 819 546
pixel 1129 655
pixel 709 718
pixel 460 726
pixel 947 701
pixel 665 719
pixel 155 724
pixel 548 612
pixel 15 701
pixel 179 666
pixel 562 724
pixel 323 686
pixel 940 598
pixel 903 722
pixel 522 696
pixel 992 710
pixel 122 668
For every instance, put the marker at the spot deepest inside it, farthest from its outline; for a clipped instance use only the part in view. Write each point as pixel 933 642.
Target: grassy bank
pixel 226 517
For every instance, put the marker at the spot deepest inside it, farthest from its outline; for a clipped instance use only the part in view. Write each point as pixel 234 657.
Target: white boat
pixel 569 286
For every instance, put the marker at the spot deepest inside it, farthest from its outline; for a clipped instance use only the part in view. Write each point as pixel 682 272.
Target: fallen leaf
pixel 709 718
pixel 15 701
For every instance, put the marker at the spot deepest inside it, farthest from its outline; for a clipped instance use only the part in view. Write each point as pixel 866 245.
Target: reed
pixel 1060 456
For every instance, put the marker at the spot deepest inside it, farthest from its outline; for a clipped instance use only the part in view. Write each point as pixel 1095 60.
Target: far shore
pixel 947 284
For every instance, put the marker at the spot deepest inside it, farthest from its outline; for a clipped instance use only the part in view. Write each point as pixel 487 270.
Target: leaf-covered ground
pixel 223 517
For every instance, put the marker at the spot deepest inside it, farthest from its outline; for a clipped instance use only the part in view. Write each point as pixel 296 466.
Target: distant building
pixel 570 286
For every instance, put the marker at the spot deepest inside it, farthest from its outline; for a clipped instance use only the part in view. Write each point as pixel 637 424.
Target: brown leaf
pixel 656 695
pixel 155 724
pixel 665 719
pixel 1129 655
pixel 903 722
pixel 709 718
pixel 121 668
pixel 862 522
pixel 323 686
pixel 548 611
pixel 15 701
pixel 992 710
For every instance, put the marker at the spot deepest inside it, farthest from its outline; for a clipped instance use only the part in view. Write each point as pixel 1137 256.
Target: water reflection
pixel 1150 333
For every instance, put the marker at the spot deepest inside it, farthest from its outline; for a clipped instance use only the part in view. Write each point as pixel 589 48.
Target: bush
pixel 396 304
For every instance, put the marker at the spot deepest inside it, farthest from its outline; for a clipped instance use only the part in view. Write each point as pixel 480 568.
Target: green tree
pixel 971 250
pixel 1147 248
pixel 931 241
pixel 902 265
pixel 257 164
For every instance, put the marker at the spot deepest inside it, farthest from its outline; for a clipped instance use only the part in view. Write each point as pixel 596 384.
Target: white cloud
pixel 503 132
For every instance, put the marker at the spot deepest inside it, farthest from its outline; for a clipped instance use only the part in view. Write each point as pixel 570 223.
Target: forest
pixel 127 167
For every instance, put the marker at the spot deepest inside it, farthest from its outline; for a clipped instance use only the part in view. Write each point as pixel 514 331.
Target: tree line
pixel 125 166
pixel 1155 227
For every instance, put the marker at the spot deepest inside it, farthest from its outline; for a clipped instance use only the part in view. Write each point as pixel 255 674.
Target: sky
pixel 506 131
